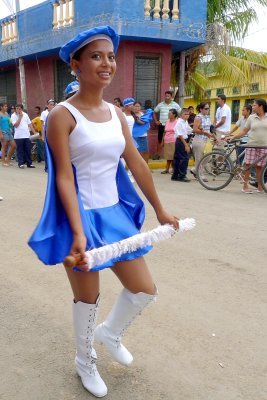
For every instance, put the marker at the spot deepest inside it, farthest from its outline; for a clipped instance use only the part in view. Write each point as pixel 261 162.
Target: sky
pixel 255 40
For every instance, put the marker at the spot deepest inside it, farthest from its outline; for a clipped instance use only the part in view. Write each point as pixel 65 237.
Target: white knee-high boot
pixel 122 314
pixel 84 318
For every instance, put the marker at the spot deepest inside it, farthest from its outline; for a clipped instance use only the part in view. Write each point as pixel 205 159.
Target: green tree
pixel 228 22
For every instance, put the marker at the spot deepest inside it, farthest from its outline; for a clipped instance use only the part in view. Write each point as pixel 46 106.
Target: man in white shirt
pixel 160 116
pixel 223 119
pixel 22 125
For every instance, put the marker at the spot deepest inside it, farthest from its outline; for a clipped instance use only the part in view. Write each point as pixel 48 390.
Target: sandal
pixel 165 172
pixel 247 191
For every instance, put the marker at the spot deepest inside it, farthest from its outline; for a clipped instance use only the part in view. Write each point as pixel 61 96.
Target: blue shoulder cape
pixel 139 130
pixel 52 238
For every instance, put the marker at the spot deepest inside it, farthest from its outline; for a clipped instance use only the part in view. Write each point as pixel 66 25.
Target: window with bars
pixel 8 92
pixel 236 90
pixel 219 91
pixel 254 87
pixel 235 110
pixel 147 79
pixel 249 102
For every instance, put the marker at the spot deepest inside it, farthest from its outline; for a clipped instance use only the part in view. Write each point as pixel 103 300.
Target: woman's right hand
pixel 78 250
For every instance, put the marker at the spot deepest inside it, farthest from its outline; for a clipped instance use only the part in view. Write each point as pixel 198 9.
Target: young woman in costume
pixel 91 202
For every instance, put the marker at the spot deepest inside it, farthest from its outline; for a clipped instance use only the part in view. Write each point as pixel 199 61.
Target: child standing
pixel 182 148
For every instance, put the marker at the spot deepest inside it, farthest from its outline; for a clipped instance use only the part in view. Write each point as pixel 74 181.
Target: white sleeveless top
pixel 95 150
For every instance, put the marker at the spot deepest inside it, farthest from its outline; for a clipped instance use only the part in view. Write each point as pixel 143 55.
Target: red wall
pixel 123 82
pixel 40 74
pixel 39 83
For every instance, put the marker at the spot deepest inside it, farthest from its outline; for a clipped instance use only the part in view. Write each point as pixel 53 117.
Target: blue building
pixel 151 32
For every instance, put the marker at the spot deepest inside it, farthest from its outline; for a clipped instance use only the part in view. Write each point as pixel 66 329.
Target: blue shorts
pixel 142 144
pixel 7 136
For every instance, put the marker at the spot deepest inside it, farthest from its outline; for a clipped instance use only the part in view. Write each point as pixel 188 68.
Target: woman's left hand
pixel 166 218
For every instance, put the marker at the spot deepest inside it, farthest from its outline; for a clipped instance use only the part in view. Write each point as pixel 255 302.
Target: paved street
pixel 204 339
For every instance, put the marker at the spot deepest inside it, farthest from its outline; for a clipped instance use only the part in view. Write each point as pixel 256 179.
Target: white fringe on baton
pixel 105 253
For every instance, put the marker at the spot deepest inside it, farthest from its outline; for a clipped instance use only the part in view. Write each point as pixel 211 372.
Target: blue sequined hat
pixel 100 32
pixel 128 101
pixel 72 87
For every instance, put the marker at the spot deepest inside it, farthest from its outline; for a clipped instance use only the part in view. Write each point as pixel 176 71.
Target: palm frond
pixel 227 22
pixel 197 86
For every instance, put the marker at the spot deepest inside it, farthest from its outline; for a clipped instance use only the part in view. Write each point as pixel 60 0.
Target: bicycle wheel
pixel 215 170
pixel 264 177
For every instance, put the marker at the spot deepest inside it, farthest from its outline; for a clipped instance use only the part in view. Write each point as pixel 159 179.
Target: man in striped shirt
pixel 161 114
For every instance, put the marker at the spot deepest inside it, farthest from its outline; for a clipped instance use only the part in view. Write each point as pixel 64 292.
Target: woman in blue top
pixel 87 137
pixel 6 136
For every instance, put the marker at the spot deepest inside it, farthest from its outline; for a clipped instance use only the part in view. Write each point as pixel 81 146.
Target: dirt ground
pixel 204 339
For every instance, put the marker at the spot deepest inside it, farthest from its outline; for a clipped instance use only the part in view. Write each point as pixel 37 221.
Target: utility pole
pixel 181 79
pixel 21 68
pixel 22 83
pixel 17 6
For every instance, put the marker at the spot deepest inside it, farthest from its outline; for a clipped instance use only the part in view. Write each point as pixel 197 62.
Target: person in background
pixel 240 124
pixel 6 137
pixel 36 121
pixel 71 89
pixel 22 124
pixel 222 122
pixel 148 105
pixel 11 110
pixel 118 103
pixel 44 115
pixel 191 116
pixel 257 126
pixel 128 107
pixel 201 130
pixel 182 148
pixel 168 141
pixel 160 116
pixel 139 135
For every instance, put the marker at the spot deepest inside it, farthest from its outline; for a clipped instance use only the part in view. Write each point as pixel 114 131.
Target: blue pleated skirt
pixel 113 224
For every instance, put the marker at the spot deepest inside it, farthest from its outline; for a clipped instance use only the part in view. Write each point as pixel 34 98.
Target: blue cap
pixel 128 101
pixel 72 87
pixel 69 49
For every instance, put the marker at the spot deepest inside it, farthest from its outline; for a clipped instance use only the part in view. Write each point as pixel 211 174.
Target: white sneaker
pixel 1 198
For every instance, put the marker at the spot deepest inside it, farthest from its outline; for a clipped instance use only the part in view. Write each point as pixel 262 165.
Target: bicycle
pixel 217 169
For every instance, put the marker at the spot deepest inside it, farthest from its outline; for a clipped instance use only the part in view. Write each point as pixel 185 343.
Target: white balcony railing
pixel 63 13
pixel 160 10
pixel 9 31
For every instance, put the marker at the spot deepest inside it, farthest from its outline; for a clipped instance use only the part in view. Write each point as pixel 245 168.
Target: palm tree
pixel 228 22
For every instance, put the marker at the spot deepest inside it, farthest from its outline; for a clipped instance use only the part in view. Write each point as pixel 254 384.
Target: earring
pixel 78 72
